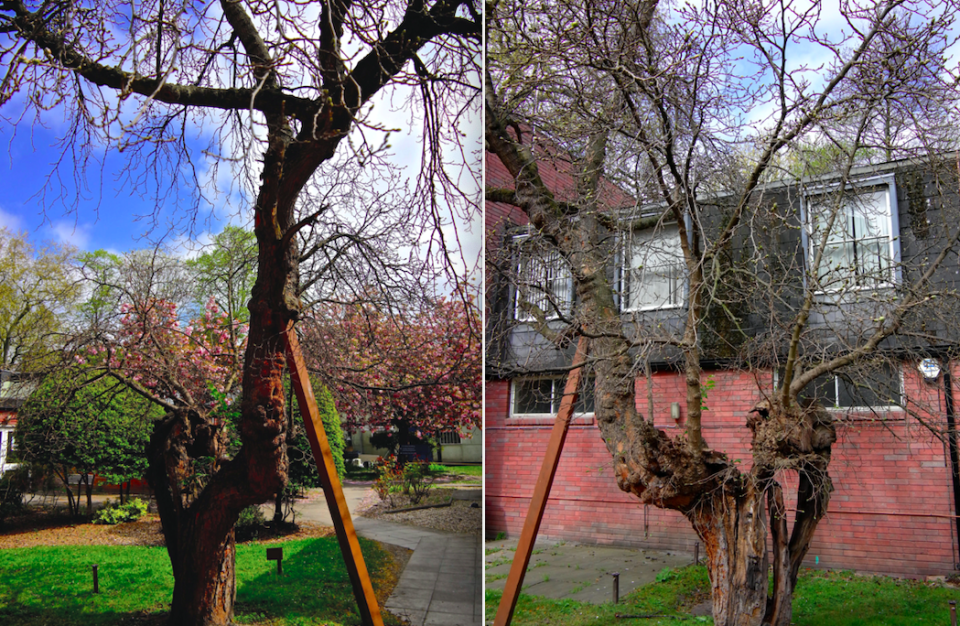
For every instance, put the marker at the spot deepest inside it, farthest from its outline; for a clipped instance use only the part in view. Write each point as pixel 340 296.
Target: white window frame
pixel 556 393
pixel 885 185
pixel 546 294
pixel 678 293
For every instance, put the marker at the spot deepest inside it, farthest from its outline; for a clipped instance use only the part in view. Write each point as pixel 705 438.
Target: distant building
pixel 14 391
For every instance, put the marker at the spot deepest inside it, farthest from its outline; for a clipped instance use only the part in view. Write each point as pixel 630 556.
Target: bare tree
pixel 270 92
pixel 714 258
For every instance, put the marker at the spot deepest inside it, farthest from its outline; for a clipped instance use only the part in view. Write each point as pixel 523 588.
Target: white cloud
pixel 11 221
pixel 72 233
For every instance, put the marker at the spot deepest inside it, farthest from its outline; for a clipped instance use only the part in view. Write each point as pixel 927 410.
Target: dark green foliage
pixel 13 485
pixel 303 468
pixel 418 477
pixel 97 426
pixel 250 522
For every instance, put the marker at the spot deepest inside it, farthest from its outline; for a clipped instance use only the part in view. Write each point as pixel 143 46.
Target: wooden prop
pixel 346 534
pixel 531 524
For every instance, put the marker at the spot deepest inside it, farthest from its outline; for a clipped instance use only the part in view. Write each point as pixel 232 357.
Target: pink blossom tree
pixel 416 372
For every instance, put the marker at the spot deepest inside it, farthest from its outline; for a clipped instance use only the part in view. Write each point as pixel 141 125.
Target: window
pixel 450 438
pixel 872 387
pixel 653 272
pixel 860 249
pixel 544 281
pixel 540 397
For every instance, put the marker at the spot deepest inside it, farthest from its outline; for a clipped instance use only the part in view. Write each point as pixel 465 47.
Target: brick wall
pixel 891 511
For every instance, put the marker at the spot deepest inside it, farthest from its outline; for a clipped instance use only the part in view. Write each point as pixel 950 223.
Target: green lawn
pixel 54 585
pixel 463 470
pixel 822 599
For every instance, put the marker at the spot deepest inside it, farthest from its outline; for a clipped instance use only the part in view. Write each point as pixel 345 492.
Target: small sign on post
pixel 96 579
pixel 276 554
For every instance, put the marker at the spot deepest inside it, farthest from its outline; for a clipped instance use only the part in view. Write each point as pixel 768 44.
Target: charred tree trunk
pixel 198 519
pixel 278 508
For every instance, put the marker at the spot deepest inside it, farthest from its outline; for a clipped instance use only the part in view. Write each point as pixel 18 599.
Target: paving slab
pixel 441 583
pixel 579 571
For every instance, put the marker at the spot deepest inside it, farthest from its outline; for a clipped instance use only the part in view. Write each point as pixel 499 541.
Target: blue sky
pixel 107 215
pixel 26 159
pixel 38 197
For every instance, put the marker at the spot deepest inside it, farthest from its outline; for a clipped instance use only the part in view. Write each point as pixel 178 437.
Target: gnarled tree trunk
pixel 732 525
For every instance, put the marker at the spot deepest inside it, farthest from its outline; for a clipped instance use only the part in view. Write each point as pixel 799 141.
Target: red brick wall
pixel 890 511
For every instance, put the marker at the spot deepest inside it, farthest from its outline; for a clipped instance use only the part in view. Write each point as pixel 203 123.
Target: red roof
pixel 559 176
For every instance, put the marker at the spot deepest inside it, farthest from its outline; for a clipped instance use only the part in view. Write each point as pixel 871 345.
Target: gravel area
pixel 460 517
pixel 47 529
pixel 143 532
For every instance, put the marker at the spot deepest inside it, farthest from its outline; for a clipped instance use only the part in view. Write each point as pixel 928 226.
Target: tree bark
pixel 731 523
pixel 72 504
pixel 88 487
pixel 197 528
pixel 204 586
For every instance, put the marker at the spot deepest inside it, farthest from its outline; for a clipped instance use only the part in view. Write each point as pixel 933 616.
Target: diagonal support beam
pixel 538 503
pixel 346 534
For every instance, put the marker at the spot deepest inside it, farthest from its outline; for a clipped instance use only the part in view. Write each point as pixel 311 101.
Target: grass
pixel 458 470
pixel 52 585
pixel 821 599
pixel 474 471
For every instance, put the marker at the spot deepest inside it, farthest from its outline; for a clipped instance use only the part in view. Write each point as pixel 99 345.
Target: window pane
pixel 858 245
pixel 654 275
pixel 876 387
pixel 584 398
pixel 533 396
pixel 544 281
pixel 822 391
pixel 585 403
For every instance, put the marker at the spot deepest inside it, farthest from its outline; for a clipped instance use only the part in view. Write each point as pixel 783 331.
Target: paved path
pixel 579 571
pixel 442 584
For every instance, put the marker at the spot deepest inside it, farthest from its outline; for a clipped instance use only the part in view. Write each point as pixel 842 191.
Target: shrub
pixel 13 485
pixel 389 478
pixel 418 477
pixel 119 513
pixel 249 523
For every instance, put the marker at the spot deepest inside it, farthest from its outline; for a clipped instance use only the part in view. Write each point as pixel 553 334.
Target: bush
pixel 389 478
pixel 417 480
pixel 249 523
pixel 119 513
pixel 13 485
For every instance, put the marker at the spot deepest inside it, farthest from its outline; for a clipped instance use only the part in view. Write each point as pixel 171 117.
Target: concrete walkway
pixel 578 571
pixel 442 584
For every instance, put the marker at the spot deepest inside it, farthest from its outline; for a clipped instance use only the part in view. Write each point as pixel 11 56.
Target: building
pixel 14 391
pixel 453 447
pixel 897 495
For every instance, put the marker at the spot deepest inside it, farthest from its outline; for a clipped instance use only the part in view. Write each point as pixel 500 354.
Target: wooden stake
pixel 346 534
pixel 531 524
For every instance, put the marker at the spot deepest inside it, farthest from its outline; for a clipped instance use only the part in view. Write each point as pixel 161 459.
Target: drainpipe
pixel 952 447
